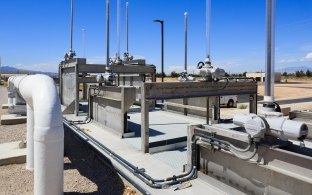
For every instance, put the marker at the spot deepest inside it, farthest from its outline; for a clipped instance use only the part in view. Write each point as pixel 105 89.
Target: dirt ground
pixel 293 89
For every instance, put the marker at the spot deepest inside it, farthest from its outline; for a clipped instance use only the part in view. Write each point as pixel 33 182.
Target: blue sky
pixel 35 33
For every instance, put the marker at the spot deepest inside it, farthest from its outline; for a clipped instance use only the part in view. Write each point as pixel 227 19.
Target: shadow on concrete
pixel 91 166
pixel 136 128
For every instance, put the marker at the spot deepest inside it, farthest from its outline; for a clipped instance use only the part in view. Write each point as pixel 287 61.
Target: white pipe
pixel 30 139
pixel 44 110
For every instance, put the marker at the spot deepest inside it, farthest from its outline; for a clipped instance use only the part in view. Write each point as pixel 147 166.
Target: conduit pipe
pixel 140 173
pixel 45 133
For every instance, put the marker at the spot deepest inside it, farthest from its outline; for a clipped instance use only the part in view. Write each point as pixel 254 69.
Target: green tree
pixel 174 74
pixel 299 73
pixel 159 74
pixel 284 74
pixel 308 73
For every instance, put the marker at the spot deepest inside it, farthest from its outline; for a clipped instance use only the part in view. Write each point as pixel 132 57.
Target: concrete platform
pixel 12 119
pixel 158 165
pixel 10 153
pixel 167 130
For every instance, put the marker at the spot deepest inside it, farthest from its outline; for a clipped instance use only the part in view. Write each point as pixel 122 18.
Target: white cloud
pixel 96 60
pixel 139 57
pixel 308 56
pixel 288 60
pixel 44 67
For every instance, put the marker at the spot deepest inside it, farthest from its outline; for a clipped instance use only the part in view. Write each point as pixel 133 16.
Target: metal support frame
pixel 70 73
pixel 175 90
pixel 78 71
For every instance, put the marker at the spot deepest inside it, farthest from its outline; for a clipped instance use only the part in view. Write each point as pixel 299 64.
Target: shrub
pixel 242 106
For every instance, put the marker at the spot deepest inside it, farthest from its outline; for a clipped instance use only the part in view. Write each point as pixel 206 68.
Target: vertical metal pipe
pixel 162 51
pixel 270 47
pixel 185 41
pixel 118 28
pixel 71 24
pixel 162 48
pixel 208 23
pixel 127 28
pixel 107 33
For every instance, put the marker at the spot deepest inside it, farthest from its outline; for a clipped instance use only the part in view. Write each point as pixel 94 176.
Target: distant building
pixel 260 76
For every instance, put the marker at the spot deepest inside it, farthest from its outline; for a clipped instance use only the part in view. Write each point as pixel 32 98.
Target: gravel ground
pixel 84 172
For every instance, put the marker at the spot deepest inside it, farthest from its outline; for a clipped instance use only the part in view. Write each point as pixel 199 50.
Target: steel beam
pixel 177 90
pixel 133 69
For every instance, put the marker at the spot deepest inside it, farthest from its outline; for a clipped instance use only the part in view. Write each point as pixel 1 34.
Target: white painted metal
pixel 278 126
pixel 287 129
pixel 44 120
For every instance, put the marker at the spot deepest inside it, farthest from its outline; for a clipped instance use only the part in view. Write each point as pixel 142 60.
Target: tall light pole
pixel 162 48
pixel 107 33
pixel 185 41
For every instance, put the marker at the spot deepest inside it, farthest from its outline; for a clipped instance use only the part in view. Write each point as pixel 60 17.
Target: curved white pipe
pixel 13 97
pixel 45 133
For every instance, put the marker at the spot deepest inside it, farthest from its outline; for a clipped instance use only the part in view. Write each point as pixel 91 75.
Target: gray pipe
pixel 118 29
pixel 270 47
pixel 185 41
pixel 208 23
pixel 71 24
pixel 127 28
pixel 107 33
